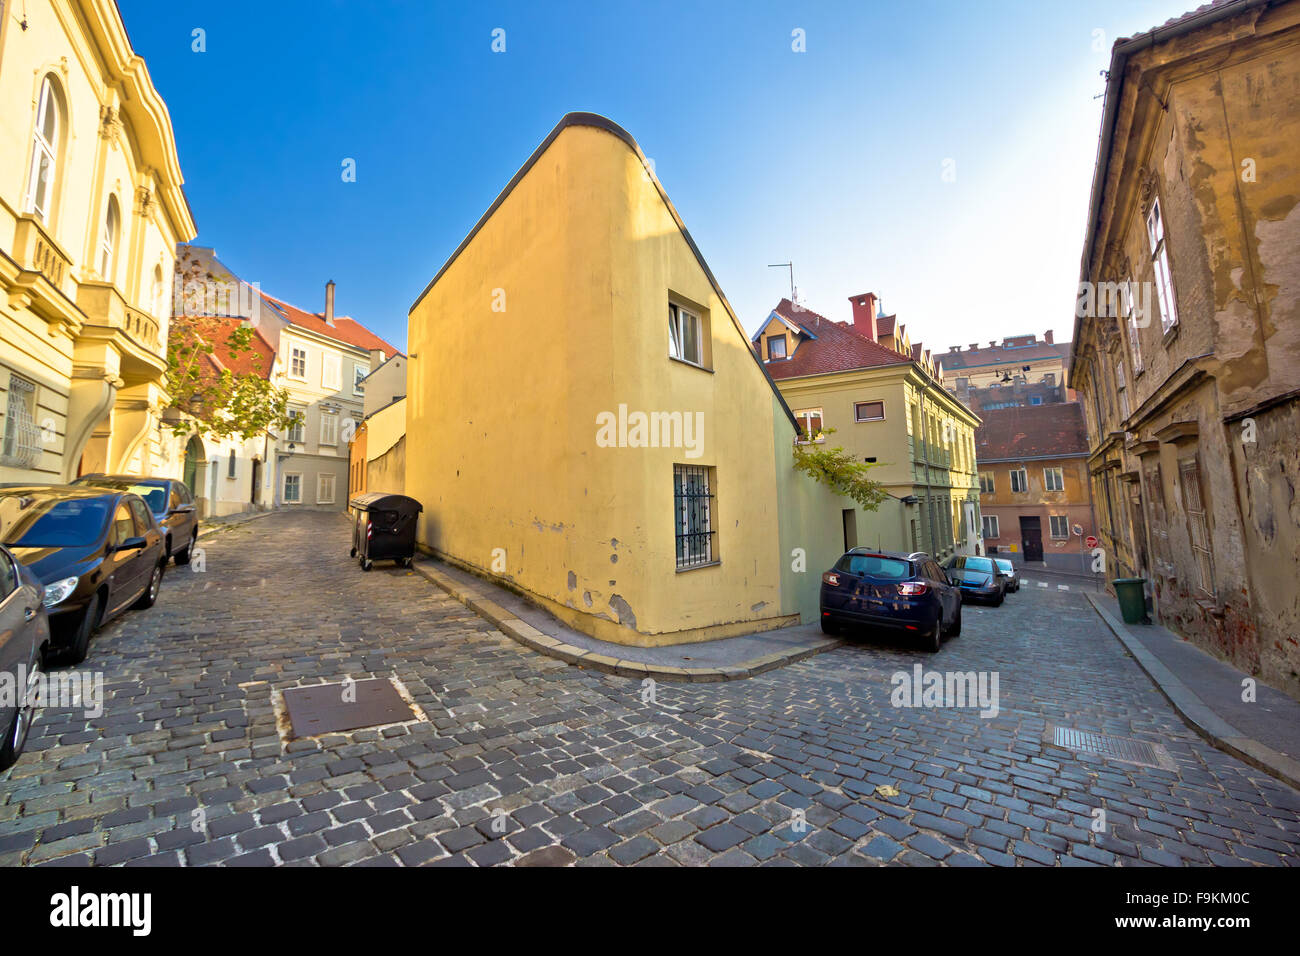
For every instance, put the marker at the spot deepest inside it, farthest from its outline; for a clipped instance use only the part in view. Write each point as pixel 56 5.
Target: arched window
pixel 156 293
pixel 45 151
pixel 108 243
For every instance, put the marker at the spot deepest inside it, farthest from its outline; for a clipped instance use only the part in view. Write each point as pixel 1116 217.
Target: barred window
pixel 22 436
pixel 693 516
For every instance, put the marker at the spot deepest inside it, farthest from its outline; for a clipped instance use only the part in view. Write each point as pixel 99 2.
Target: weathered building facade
pixel 1187 336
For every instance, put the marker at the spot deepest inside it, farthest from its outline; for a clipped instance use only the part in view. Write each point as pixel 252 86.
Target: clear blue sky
pixel 832 158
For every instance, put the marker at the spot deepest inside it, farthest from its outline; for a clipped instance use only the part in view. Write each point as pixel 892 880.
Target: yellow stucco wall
pixel 580 260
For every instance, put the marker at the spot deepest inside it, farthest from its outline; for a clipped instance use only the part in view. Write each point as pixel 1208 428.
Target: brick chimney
pixel 1047 337
pixel 864 314
pixel 329 303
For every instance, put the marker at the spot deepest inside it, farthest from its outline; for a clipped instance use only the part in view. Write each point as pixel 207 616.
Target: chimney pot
pixel 329 302
pixel 864 314
pixel 974 346
pixel 1048 337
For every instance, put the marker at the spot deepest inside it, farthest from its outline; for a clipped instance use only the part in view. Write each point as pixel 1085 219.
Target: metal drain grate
pixel 1123 749
pixel 328 708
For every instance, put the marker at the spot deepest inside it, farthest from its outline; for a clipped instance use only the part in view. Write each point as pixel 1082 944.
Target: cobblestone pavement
pixel 185 765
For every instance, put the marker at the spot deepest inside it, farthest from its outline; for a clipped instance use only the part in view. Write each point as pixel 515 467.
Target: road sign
pixel 1091 541
pixel 1077 529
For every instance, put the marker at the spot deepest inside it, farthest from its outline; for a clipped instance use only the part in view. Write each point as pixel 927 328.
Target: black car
pixel 171 503
pixel 96 552
pixel 902 592
pixel 24 635
pixel 978 578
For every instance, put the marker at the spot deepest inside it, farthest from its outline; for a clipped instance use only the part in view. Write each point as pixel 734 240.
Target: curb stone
pixel 524 633
pixel 1197 714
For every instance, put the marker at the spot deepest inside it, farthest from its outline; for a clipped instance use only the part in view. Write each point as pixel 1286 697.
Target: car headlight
pixel 58 592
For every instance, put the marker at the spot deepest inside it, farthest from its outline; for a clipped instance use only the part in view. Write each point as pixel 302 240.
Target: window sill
pixel 697 567
pixel 688 362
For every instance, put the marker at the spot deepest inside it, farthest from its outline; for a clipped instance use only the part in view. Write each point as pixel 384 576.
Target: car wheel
pixel 352 553
pixel 366 564
pixel 150 595
pixel 999 599
pixel 934 640
pixel 829 626
pixel 81 642
pixel 183 557
pixel 16 734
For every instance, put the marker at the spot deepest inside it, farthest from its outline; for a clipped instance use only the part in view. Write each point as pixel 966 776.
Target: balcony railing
pixel 103 304
pixel 35 251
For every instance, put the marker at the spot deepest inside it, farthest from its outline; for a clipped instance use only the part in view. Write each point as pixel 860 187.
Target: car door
pixel 947 592
pixel 124 565
pixel 17 614
pixel 152 553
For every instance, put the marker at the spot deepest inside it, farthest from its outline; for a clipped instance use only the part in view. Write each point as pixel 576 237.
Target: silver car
pixel 24 636
pixel 1009 570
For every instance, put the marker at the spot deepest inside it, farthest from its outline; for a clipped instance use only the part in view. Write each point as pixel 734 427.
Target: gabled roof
pixel 837 348
pixel 345 329
pixel 215 330
pixel 885 325
pixel 793 326
pixel 597 121
pixel 1031 431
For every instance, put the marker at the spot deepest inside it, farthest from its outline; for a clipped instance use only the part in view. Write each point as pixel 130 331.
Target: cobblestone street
pixel 524 759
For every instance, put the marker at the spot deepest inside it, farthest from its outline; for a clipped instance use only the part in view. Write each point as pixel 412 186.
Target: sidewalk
pixel 1206 692
pixel 731 658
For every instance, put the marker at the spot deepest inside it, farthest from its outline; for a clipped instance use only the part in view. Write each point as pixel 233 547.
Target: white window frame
pixel 988 522
pixel 359 372
pixel 871 401
pixel 331 362
pixel 785 346
pixel 294 352
pixel 1019 476
pixel 1121 388
pixel 1065 527
pixel 1163 277
pixel 284 488
pixel 992 483
pixel 108 241
pixel 330 436
pixel 1053 479
pixel 297 431
pixel 1130 320
pixel 805 416
pixel 43 148
pixel 333 483
pixel 677 316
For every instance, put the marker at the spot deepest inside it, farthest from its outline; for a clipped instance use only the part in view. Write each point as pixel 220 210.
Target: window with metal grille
pixel 22 436
pixel 693 515
pixel 1189 474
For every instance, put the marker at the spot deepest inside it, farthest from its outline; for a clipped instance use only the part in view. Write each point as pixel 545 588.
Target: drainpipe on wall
pixel 929 494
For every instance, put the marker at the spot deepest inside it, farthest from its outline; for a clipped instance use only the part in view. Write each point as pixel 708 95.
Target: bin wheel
pixel 352 553
pixel 366 564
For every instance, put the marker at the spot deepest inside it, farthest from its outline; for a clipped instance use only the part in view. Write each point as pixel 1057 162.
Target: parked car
pixel 1010 573
pixel 170 501
pixel 978 578
pixel 902 592
pixel 24 637
pixel 96 551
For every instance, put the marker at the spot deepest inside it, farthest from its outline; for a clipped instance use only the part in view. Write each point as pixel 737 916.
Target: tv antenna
pixel 790 266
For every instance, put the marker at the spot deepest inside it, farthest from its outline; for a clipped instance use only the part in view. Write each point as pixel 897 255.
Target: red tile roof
pixel 837 348
pixel 345 329
pixel 885 325
pixel 1001 355
pixel 215 330
pixel 1031 431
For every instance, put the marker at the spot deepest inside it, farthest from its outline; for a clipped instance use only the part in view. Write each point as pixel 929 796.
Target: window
pixel 359 372
pixel 1058 526
pixel 810 425
pixel 123 524
pixel 1164 280
pixel 22 437
pixel 8 577
pixel 324 489
pixel 1019 480
pixel 45 151
pixel 143 520
pixel 230 465
pixel 297 363
pixel 1120 390
pixel 986 484
pixel 329 427
pixel 108 242
pixel 1053 479
pixel 331 371
pixel 685 335
pixel 298 426
pixel 775 347
pixel 156 293
pixel 989 525
pixel 693 516
pixel 292 488
pixel 1036 400
pixel 1189 476
pixel 869 411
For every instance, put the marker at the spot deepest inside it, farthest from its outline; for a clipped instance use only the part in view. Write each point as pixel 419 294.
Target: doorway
pixel 256 492
pixel 849 516
pixel 1031 537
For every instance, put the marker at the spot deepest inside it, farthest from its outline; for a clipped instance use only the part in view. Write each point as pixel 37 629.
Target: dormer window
pixel 775 347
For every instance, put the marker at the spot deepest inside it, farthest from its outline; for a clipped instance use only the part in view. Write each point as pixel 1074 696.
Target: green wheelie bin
pixel 1132 599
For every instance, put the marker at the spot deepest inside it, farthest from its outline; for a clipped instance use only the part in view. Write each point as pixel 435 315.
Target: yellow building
pixel 91 210
pixel 587 423
pixel 887 408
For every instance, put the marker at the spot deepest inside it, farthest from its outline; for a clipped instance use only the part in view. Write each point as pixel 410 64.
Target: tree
pixel 839 470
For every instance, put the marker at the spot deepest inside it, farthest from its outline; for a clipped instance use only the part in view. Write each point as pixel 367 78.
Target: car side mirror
pixel 131 544
pixel 181 510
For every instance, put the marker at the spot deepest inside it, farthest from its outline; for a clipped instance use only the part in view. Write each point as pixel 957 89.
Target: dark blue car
pixel 979 579
pixel 901 592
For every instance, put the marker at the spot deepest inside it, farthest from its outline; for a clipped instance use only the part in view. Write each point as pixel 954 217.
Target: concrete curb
pixel 211 529
pixel 1197 714
pixel 524 633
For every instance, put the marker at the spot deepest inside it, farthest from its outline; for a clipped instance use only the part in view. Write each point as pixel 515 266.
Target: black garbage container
pixel 384 529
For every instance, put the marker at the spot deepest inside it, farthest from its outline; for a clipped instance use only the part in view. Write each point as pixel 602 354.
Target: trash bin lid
pixel 385 501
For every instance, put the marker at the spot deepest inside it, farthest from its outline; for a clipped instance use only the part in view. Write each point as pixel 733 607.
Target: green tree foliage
pixel 839 470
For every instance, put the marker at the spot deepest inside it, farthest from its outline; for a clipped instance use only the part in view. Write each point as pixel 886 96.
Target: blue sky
pixel 833 157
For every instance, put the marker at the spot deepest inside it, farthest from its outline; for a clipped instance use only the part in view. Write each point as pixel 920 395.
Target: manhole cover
pixel 327 708
pixel 1123 749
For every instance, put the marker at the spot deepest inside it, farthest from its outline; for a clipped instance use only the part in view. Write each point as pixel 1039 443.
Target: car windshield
pixel 1004 565
pixel 876 566
pixel 979 564
pixel 27 522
